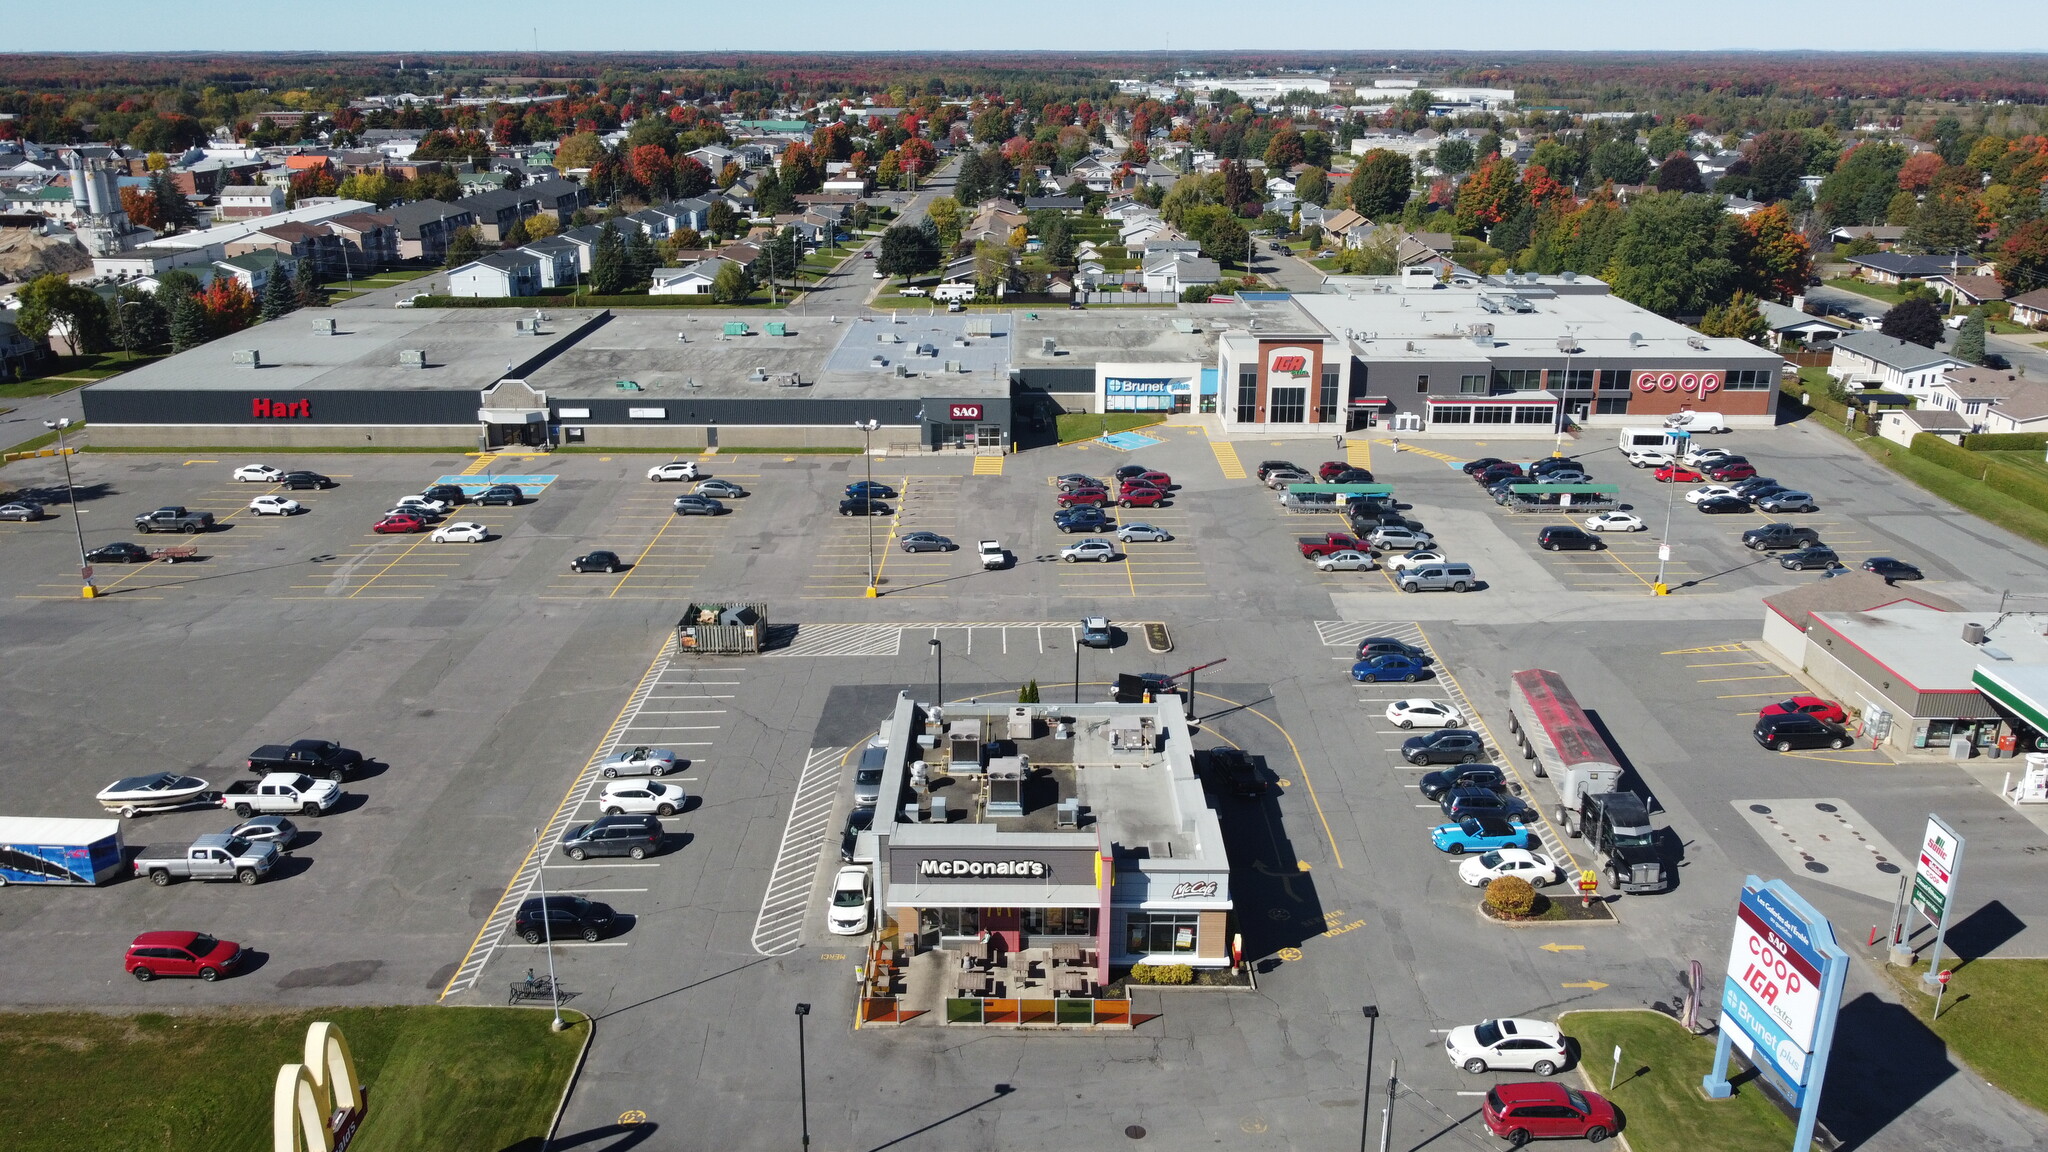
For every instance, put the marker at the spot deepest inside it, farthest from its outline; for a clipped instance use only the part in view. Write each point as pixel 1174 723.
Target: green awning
pixel 1574 489
pixel 1345 489
pixel 2021 689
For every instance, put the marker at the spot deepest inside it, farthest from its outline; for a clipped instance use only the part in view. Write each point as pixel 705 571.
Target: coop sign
pixel 1692 383
pixel 1025 869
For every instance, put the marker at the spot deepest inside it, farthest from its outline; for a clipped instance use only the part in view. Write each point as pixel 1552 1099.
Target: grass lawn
pixel 2034 462
pixel 63 373
pixel 486 1079
pixel 1884 292
pixel 1089 425
pixel 2006 328
pixel 1994 1018
pixel 1658 1091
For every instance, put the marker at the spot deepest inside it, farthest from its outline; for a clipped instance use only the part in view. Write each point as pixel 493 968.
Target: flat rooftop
pixel 1384 321
pixel 1927 649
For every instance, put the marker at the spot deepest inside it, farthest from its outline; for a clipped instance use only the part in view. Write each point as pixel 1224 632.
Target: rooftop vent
pixel 412 357
pixel 1568 344
pixel 1568 276
pixel 248 357
pixel 1973 633
pixel 1696 343
pixel 1050 346
pixel 1635 339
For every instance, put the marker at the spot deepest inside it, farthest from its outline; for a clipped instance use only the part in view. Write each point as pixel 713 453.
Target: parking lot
pixel 485 681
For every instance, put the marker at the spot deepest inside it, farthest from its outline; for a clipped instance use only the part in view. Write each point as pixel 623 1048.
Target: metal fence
pixel 1072 1010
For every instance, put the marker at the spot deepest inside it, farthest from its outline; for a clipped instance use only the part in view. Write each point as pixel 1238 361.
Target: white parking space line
pixel 552 867
pixel 606 891
pixel 571 943
pixel 779 927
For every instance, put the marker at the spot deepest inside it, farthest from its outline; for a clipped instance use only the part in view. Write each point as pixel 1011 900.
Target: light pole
pixel 867 497
pixel 939 689
pixel 1372 1023
pixel 1077 666
pixel 803 1090
pixel 547 936
pixel 71 497
pixel 1677 437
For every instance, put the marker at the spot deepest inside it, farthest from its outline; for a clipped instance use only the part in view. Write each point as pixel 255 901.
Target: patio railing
pixel 1069 1010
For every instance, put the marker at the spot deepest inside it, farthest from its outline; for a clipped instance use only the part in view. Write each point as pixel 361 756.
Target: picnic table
pixel 973 984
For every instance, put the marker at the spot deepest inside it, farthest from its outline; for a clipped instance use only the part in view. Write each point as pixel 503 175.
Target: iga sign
pixel 1778 977
pixel 1779 1001
pixel 963 412
pixel 1693 383
pixel 1294 363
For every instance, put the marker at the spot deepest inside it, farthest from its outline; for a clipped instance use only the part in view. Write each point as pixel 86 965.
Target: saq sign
pixel 1780 998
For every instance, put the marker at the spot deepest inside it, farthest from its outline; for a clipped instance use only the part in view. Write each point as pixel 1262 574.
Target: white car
pixel 1649 457
pixel 1096 549
pixel 848 913
pixel 461 532
pixel 674 470
pixel 1526 1045
pixel 422 504
pixel 641 761
pixel 1344 560
pixel 1535 867
pixel 1708 492
pixel 1615 522
pixel 1427 713
pixel 260 473
pixel 1388 538
pixel 633 796
pixel 1703 456
pixel 275 506
pixel 1415 559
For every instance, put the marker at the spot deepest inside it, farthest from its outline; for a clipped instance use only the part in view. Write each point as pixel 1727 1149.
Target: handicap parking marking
pixel 778 929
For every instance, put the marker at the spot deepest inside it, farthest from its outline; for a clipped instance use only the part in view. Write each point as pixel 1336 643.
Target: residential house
pixel 1872 359
pixel 368 240
pixel 498 274
pixel 1794 325
pixel 2031 308
pixel 562 197
pixel 693 280
pixel 1972 392
pixel 478 183
pixel 2026 410
pixel 1963 290
pixel 1885 236
pixel 1177 271
pixel 1741 205
pixel 1134 233
pixel 1340 225
pixel 714 158
pixel 1899 267
pixel 18 353
pixel 52 201
pixel 560 260
pixel 1054 204
pixel 255 269
pixel 1128 211
pixel 1900 425
pixel 295 240
pixel 683 214
pixel 424 227
pixel 584 240
pixel 497 212
pixel 1169 242
pixel 152 260
pixel 241 201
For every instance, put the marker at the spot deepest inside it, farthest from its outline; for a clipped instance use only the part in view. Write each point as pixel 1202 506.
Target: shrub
pixel 1511 897
pixel 1028 694
pixel 1162 974
pixel 1142 973
pixel 2006 442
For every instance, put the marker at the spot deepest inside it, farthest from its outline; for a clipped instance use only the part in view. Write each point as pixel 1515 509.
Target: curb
pixel 575 1074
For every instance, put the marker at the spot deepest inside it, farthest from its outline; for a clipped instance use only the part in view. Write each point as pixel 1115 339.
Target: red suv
pixel 1331 469
pixel 157 954
pixel 1547 1110
pixel 1740 470
pixel 1083 496
pixel 1140 496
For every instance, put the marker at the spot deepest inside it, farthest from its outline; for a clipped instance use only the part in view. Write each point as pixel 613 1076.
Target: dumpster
pixel 729 627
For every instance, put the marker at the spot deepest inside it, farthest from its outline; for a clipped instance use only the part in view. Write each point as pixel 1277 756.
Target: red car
pixel 1140 496
pixel 1332 468
pixel 155 954
pixel 1823 710
pixel 399 522
pixel 1083 496
pixel 1547 1110
pixel 1727 472
pixel 1673 474
pixel 1159 480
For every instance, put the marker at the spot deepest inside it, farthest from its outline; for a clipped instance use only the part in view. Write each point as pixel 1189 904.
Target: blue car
pixel 1480 834
pixel 872 489
pixel 1086 518
pixel 1388 666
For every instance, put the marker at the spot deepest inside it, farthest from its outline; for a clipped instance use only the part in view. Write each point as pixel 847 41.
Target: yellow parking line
pixel 1730 679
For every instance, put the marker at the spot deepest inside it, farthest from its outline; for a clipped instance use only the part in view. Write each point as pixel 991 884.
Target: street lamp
pixel 939 690
pixel 1372 1021
pixel 867 496
pixel 71 497
pixel 803 1090
pixel 1676 438
pixel 1077 665
pixel 547 936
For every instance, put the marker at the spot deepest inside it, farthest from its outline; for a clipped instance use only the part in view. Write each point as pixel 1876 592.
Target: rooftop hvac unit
pixel 902 371
pixel 1050 346
pixel 249 357
pixel 324 326
pixel 1489 304
pixel 1635 339
pixel 526 326
pixel 412 358
pixel 1696 343
pixel 878 362
pixel 952 366
pixel 1567 344
pixel 758 376
pixel 1519 304
pixel 1973 633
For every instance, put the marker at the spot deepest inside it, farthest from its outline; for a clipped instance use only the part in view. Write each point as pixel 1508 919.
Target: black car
pixel 1268 467
pixel 1891 569
pixel 870 489
pixel 1754 485
pixel 599 561
pixel 1436 784
pixel 1354 476
pixel 1086 518
pixel 864 506
pixel 1475 467
pixel 1549 464
pixel 1387 645
pixel 305 481
pixel 622 835
pixel 1445 746
pixel 1130 470
pixel 1722 505
pixel 1564 536
pixel 1496 473
pixel 1459 803
pixel 1817 556
pixel 858 821
pixel 507 494
pixel 449 494
pixel 119 552
pixel 562 917
pixel 1779 535
pixel 1235 769
pixel 1787 731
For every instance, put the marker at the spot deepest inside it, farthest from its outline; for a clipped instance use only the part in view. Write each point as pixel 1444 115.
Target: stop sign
pixel 1943 976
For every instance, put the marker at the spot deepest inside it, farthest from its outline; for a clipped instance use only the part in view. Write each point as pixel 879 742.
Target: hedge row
pixel 1996 475
pixel 2006 442
pixel 568 302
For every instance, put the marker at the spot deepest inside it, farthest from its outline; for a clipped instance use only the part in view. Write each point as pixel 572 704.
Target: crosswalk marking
pixel 780 926
pixel 1422 452
pixel 1358 453
pixel 1226 459
pixel 988 465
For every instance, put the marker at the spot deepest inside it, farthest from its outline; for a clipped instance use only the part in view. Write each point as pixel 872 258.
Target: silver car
pixel 1391 538
pixel 1148 532
pixel 725 488
pixel 698 506
pixel 641 761
pixel 1787 502
pixel 21 510
pixel 867 775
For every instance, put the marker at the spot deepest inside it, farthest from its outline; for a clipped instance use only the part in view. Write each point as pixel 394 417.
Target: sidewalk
pixel 24 420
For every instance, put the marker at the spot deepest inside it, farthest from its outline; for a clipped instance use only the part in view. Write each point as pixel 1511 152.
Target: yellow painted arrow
pixel 1589 985
pixel 1564 947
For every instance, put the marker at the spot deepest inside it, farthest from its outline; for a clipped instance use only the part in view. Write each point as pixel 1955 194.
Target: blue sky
pixel 914 25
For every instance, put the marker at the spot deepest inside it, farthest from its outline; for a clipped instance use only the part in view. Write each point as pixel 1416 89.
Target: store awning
pixel 1370 401
pixel 1573 489
pixel 2020 688
pixel 996 895
pixel 1533 398
pixel 512 415
pixel 1345 489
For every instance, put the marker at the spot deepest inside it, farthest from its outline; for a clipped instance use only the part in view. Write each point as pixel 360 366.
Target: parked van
pixel 1448 576
pixel 1697 422
pixel 952 292
pixel 1655 439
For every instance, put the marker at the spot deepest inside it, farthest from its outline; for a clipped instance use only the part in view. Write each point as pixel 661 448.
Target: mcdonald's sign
pixel 319 1104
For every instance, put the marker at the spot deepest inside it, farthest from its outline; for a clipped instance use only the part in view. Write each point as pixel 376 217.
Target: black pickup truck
pixel 313 757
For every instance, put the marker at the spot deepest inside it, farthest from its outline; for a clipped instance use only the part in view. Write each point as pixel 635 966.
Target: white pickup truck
pixel 281 792
pixel 994 555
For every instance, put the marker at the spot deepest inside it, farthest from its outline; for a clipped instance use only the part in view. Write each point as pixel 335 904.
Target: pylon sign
pixel 1780 997
pixel 318 1105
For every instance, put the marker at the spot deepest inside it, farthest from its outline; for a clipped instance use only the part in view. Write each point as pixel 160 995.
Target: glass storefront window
pixel 1290 405
pixel 959 921
pixel 1057 921
pixel 1160 933
pixel 989 435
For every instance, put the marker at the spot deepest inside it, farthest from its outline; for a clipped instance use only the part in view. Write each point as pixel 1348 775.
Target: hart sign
pixel 964 411
pixel 261 408
pixel 1692 382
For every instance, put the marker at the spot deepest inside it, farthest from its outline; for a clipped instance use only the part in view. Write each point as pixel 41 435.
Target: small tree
pixel 1970 338
pixel 1913 320
pixel 463 247
pixel 306 285
pixel 1511 897
pixel 1029 693
pixel 608 261
pixel 278 296
pixel 731 285
pixel 188 323
pixel 639 258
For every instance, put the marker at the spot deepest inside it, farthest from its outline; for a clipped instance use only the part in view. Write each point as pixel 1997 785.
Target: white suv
pixel 674 470
pixel 1096 549
pixel 1393 538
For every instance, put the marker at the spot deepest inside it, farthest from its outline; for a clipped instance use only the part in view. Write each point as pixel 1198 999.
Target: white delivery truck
pixel 1654 439
pixel 50 850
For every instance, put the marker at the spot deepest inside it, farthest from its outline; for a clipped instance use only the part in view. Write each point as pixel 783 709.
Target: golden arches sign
pixel 318 1105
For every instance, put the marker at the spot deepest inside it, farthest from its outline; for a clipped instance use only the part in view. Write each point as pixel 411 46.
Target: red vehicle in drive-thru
pixel 1547 1110
pixel 1826 711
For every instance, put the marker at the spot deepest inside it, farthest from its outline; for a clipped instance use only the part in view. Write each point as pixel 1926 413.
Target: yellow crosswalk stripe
pixel 1358 453
pixel 1424 452
pixel 988 465
pixel 1226 459
pixel 480 464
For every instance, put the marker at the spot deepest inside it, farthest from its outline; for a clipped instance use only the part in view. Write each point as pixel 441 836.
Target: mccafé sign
pixel 1024 869
pixel 261 408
